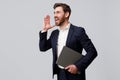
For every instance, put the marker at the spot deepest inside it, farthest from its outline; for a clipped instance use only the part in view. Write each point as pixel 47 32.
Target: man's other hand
pixel 72 69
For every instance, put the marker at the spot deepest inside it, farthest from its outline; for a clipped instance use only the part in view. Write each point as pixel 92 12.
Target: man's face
pixel 59 16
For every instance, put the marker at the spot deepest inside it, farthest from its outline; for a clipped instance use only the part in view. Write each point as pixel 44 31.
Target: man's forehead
pixel 58 8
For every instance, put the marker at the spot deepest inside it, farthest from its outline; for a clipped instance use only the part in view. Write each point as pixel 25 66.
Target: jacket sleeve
pixel 87 44
pixel 44 43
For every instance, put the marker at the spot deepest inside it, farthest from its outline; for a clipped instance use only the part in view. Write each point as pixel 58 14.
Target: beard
pixel 59 21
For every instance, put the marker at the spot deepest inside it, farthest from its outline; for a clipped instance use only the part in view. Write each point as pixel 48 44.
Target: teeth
pixel 56 19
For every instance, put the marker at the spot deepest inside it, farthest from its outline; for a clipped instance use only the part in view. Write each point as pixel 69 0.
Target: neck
pixel 64 24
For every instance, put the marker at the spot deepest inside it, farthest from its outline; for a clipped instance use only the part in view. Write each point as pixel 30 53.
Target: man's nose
pixel 55 15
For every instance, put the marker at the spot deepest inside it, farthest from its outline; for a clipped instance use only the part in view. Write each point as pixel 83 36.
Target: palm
pixel 46 24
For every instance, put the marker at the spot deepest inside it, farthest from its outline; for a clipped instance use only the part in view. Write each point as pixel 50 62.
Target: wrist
pixel 44 30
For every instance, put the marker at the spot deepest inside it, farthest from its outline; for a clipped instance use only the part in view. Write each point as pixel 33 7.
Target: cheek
pixel 60 15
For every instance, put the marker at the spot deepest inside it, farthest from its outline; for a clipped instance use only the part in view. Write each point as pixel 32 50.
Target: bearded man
pixel 68 35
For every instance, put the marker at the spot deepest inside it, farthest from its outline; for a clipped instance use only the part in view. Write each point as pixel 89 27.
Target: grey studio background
pixel 20 23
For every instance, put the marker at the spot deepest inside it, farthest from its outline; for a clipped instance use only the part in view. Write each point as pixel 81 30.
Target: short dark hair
pixel 66 8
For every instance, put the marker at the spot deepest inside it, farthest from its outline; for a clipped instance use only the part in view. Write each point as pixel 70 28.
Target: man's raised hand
pixel 46 23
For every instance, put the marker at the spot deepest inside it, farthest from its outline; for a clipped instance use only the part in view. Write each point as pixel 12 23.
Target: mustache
pixel 56 17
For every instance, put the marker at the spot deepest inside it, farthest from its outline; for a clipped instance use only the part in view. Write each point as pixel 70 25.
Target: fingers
pixel 71 68
pixel 46 23
pixel 47 19
pixel 47 16
pixel 66 68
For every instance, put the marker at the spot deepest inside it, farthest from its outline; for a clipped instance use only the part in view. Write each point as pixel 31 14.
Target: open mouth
pixel 56 19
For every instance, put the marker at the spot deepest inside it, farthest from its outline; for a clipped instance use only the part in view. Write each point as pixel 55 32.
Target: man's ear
pixel 67 14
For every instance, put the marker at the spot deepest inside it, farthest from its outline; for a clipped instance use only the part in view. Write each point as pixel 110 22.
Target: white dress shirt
pixel 62 38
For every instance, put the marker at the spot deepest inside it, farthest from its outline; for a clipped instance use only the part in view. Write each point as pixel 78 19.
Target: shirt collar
pixel 66 28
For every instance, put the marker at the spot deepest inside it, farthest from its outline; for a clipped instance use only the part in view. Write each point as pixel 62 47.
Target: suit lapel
pixel 70 34
pixel 56 37
pixel 55 43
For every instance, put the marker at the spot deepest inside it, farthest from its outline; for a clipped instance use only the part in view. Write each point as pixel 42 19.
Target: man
pixel 66 35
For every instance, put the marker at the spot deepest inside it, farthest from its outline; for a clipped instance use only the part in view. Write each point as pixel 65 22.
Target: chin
pixel 57 24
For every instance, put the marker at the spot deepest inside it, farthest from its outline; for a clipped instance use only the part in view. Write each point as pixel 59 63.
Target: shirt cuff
pixel 43 31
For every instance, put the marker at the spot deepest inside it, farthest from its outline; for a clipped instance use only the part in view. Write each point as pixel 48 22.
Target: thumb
pixel 66 68
pixel 53 26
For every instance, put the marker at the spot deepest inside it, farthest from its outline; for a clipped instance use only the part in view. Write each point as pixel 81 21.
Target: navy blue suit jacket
pixel 77 40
